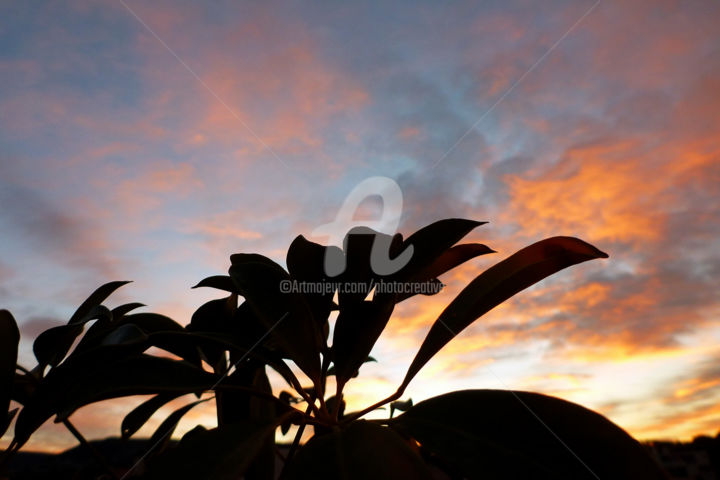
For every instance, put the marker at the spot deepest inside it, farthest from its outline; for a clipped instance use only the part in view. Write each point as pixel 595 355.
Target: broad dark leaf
pixel 431 241
pixel 356 331
pixel 52 345
pixel 447 260
pixel 220 282
pixel 104 325
pixel 160 438
pixel 134 420
pixel 9 339
pixel 215 316
pixel 95 299
pixel 306 263
pixel 223 453
pixel 121 310
pixel 362 451
pixel 286 316
pixel 488 434
pixel 86 379
pixel 216 340
pixel 498 283
pixel 125 335
pixel 360 245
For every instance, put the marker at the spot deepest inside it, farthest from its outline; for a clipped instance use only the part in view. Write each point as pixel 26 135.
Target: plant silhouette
pixel 229 345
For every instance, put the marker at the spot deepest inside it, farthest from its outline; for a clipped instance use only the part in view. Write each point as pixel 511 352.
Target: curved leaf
pixel 285 315
pixel 306 263
pixel 163 433
pixel 363 450
pixel 358 245
pixel 125 335
pixel 449 259
pixel 506 434
pixel 356 331
pixel 215 316
pixel 431 241
pixel 220 282
pixel 94 300
pixel 85 380
pixel 134 420
pixel 122 310
pixel 9 339
pixel 498 283
pixel 51 346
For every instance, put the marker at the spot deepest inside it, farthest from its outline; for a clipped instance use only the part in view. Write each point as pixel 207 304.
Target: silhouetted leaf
pixel 358 245
pixel 498 283
pixel 286 315
pixel 51 346
pixel 431 241
pixel 124 309
pixel 220 282
pixel 125 335
pixel 356 331
pixel 95 299
pixel 306 263
pixel 160 438
pixel 9 339
pixel 215 316
pixel 104 325
pixel 363 450
pixel 134 420
pixel 263 355
pixel 505 434
pixel 222 453
pixel 85 380
pixel 447 260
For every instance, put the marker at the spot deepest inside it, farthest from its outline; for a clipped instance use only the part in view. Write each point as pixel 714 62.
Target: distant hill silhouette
pixel 696 460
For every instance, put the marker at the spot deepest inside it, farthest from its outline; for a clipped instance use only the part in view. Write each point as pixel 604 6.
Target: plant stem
pixel 296 442
pixel 379 404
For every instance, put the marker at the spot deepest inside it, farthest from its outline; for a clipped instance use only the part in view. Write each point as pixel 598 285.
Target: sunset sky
pixel 149 141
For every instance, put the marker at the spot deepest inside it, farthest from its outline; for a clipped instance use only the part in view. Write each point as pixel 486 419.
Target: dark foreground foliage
pixel 230 343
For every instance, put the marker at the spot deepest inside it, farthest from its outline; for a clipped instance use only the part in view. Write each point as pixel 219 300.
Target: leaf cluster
pixel 225 352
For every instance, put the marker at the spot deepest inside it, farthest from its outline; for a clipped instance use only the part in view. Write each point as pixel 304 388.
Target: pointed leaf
pixel 134 420
pixel 162 435
pixel 498 283
pixel 306 263
pixel 286 316
pixel 85 379
pixel 95 299
pixel 220 282
pixel 363 450
pixel 51 346
pixel 122 310
pixel 431 241
pixel 356 331
pixel 506 434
